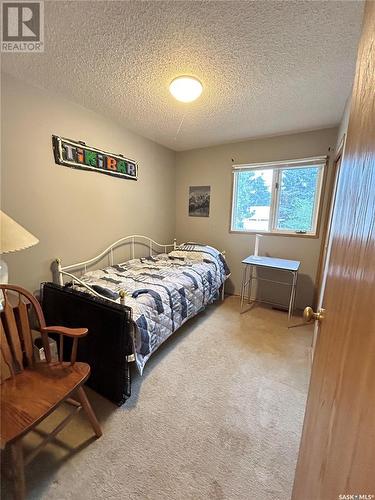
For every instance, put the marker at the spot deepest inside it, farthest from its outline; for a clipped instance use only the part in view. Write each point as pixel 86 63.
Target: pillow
pixel 197 247
pixel 181 254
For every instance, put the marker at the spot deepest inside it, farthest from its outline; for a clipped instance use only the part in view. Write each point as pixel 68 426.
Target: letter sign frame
pixel 76 154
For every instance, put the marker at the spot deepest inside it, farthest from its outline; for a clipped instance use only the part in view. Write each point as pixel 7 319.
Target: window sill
pixel 269 233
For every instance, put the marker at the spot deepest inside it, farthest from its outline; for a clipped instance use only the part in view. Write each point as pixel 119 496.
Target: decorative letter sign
pixel 77 155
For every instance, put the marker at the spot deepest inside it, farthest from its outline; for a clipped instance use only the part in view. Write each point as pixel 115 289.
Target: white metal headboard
pixel 134 239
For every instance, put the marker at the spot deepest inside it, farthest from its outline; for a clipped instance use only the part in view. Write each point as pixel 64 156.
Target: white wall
pixel 75 213
pixel 213 166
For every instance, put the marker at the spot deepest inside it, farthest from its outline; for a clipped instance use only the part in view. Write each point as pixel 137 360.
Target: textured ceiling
pixel 268 67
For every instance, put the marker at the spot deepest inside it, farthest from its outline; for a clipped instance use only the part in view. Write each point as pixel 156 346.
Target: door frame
pixel 327 223
pixel 325 247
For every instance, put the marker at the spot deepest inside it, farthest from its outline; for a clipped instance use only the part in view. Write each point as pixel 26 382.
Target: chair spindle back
pixel 16 341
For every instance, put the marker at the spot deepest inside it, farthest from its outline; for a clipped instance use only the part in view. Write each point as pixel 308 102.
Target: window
pixel 282 197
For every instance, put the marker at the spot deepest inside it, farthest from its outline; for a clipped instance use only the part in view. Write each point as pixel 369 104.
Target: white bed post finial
pixel 122 297
pixel 257 242
pixel 59 273
pixel 174 244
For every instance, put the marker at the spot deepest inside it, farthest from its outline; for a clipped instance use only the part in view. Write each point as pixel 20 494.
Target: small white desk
pixel 290 267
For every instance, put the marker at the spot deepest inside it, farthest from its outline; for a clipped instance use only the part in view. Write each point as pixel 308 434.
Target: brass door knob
pixel 309 314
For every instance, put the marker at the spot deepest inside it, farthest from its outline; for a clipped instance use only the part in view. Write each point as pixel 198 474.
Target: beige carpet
pixel 217 415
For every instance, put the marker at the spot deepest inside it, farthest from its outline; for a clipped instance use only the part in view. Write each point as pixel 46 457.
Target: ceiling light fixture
pixel 185 88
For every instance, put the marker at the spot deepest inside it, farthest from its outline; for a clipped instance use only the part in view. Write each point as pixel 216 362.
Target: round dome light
pixel 185 88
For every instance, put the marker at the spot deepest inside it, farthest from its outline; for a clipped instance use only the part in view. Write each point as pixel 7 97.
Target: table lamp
pixel 14 237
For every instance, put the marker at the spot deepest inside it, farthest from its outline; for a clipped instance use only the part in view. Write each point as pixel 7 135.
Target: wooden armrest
pixel 68 332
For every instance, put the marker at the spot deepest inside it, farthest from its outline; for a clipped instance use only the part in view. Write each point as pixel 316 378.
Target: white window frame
pixel 278 167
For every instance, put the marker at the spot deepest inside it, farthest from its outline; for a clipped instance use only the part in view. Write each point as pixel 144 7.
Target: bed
pixel 133 306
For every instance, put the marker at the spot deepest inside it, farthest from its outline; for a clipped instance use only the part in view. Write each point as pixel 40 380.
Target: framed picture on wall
pixel 199 201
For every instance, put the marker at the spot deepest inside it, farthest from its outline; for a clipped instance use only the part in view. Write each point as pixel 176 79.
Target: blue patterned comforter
pixel 163 291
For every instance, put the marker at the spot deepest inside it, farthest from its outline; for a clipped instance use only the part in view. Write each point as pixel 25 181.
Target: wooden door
pixel 337 452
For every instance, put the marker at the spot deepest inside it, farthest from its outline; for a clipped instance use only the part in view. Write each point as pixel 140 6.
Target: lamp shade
pixel 13 236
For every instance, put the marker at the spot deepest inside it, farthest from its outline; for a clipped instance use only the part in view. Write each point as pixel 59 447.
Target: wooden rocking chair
pixel 31 390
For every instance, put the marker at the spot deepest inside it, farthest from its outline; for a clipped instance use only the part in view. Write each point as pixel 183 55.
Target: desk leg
pixel 243 285
pixel 295 293
pixel 250 285
pixel 292 295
